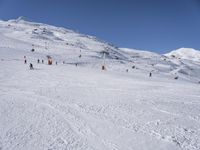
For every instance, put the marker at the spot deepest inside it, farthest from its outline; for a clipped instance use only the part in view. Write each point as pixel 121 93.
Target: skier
pixel 42 61
pixel 50 61
pixel 150 74
pixel 56 63
pixel 126 70
pixel 103 67
pixel 31 66
pixel 25 61
pixel 38 61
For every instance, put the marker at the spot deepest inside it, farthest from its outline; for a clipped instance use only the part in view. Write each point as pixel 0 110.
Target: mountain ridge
pixel 25 20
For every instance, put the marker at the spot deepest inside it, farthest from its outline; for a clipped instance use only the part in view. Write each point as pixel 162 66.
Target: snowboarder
pixel 31 66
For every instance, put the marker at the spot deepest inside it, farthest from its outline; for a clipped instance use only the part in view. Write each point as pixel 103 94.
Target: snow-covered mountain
pixel 58 41
pixel 75 105
pixel 185 53
pixel 68 46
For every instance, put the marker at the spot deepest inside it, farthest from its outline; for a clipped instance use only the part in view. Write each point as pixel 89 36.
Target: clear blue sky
pixel 156 25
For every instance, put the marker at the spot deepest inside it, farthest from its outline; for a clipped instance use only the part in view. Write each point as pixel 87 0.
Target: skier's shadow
pixel 36 69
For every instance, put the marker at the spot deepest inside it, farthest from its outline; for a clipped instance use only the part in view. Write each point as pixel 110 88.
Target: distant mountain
pixel 185 53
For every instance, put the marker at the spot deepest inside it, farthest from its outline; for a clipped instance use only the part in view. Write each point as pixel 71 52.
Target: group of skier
pixel 31 65
pixel 38 61
pixel 42 61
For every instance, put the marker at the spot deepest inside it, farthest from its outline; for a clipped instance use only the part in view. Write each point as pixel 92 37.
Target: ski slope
pixel 64 107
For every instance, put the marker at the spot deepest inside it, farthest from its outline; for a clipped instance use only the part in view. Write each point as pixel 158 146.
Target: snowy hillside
pixel 75 105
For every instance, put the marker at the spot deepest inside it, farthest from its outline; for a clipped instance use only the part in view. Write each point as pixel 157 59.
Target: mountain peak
pixel 185 53
pixel 187 50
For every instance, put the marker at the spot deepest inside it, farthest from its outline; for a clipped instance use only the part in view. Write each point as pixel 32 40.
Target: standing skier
pixel 31 66
pixel 150 74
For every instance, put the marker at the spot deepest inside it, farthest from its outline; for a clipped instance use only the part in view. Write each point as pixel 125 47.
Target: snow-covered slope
pixel 69 107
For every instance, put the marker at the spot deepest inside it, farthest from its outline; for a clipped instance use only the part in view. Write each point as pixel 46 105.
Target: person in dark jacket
pixel 31 66
pixel 150 74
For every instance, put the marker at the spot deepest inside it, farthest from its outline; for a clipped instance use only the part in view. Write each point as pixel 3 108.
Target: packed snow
pixel 77 105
